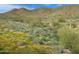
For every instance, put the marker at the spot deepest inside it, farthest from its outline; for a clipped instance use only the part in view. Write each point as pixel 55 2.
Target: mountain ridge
pixel 36 9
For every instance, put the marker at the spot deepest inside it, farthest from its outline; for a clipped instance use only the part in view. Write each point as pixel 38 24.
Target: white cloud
pixel 5 7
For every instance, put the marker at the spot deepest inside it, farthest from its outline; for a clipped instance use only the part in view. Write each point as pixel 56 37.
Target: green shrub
pixel 69 38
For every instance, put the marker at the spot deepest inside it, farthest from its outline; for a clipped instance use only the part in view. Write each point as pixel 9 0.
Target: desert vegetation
pixel 40 31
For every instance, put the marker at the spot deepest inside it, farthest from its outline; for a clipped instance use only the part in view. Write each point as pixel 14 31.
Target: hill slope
pixel 45 26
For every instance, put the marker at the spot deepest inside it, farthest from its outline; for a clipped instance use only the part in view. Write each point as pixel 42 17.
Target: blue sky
pixel 8 7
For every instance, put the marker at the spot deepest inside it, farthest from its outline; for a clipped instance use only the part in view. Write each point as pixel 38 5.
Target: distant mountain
pixel 23 13
pixel 45 10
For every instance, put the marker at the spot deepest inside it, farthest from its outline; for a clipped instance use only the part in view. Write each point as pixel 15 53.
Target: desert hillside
pixel 42 30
